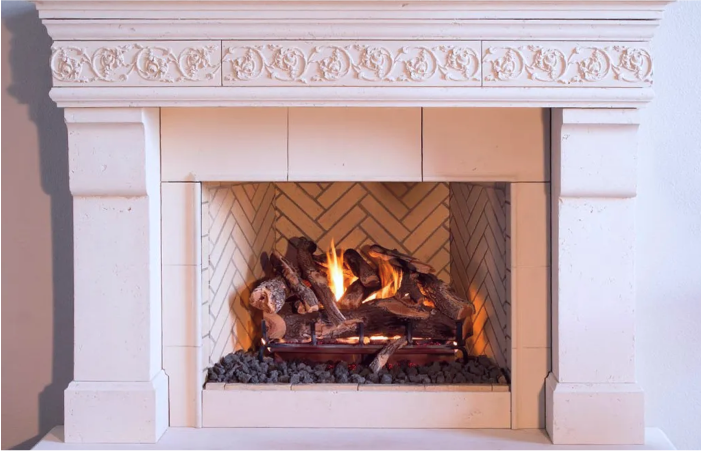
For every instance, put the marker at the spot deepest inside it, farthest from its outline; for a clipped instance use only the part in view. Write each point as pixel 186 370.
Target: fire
pixel 390 278
pixel 339 278
pixel 338 281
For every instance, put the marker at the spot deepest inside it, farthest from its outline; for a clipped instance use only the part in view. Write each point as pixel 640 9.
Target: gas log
pixel 446 300
pixel 419 301
pixel 318 281
pixel 269 296
pixel 399 260
pixel 361 269
pixel 375 320
pixel 385 353
pixel 307 299
pixel 354 296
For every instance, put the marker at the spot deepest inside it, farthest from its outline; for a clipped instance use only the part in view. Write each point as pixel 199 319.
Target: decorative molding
pixel 392 96
pixel 377 29
pixel 566 63
pixel 136 63
pixel 421 10
pixel 352 64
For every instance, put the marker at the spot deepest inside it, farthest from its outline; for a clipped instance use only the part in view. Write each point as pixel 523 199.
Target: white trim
pixel 329 9
pixel 352 96
pixel 380 29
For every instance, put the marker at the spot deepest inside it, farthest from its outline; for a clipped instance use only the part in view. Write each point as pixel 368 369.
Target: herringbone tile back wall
pixel 243 222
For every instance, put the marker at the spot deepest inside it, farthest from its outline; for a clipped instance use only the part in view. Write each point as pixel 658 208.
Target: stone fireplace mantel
pixel 115 63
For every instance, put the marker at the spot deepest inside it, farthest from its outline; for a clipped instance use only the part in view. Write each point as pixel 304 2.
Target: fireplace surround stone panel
pixel 588 62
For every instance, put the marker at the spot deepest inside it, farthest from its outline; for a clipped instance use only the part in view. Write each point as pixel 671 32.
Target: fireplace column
pixel 591 395
pixel 119 392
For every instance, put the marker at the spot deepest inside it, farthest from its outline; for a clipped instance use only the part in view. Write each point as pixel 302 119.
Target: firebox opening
pixel 356 282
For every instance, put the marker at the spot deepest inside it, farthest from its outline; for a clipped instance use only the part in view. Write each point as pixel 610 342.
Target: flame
pixel 338 279
pixel 390 278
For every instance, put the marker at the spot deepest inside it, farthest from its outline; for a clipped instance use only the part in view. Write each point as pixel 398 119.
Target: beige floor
pixel 266 438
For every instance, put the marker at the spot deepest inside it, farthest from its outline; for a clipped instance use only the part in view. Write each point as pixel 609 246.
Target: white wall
pixel 669 232
pixel 37 247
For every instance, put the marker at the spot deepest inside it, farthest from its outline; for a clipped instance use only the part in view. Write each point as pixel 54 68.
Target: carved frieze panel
pixel 195 63
pixel 348 63
pixel 598 64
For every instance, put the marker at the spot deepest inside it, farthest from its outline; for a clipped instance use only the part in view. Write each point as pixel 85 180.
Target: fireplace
pixel 494 143
pixel 487 239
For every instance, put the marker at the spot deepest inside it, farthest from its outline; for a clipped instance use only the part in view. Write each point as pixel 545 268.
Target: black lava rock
pixel 246 368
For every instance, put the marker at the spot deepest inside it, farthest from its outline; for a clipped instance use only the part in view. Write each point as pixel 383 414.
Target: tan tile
pixel 325 387
pixel 459 387
pixel 532 302
pixel 258 387
pixel 181 305
pixel 181 210
pixel 222 139
pixel 505 144
pixel 391 387
pixel 530 388
pixel 388 149
pixel 530 219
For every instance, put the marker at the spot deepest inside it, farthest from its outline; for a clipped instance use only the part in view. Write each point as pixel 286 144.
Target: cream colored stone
pixel 316 61
pixel 349 409
pixel 224 144
pixel 215 386
pixel 510 63
pixel 529 381
pixel 530 219
pixel 391 387
pixel 486 144
pixel 184 385
pixel 588 414
pixel 116 412
pixel 258 387
pixel 325 387
pixel 459 388
pixel 355 144
pixel 142 63
pixel 532 306
pixel 182 306
pixel 501 387
pixel 181 223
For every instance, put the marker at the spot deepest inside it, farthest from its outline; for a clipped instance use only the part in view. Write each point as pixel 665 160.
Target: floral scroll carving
pixel 567 64
pixel 351 65
pixel 135 64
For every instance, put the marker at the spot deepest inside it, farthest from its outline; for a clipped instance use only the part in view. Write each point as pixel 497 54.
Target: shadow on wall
pixel 37 278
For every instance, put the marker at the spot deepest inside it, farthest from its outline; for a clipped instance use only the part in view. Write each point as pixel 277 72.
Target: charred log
pixel 318 281
pixel 354 296
pixel 307 298
pixel 401 309
pixel 376 321
pixel 409 289
pixel 399 260
pixel 275 325
pixel 445 299
pixel 269 296
pixel 361 269
pixel 385 353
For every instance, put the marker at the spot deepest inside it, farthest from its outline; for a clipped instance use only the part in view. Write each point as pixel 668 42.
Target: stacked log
pixel 298 301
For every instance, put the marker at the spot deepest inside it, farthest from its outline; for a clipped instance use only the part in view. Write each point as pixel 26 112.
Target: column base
pixel 594 414
pixel 116 412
